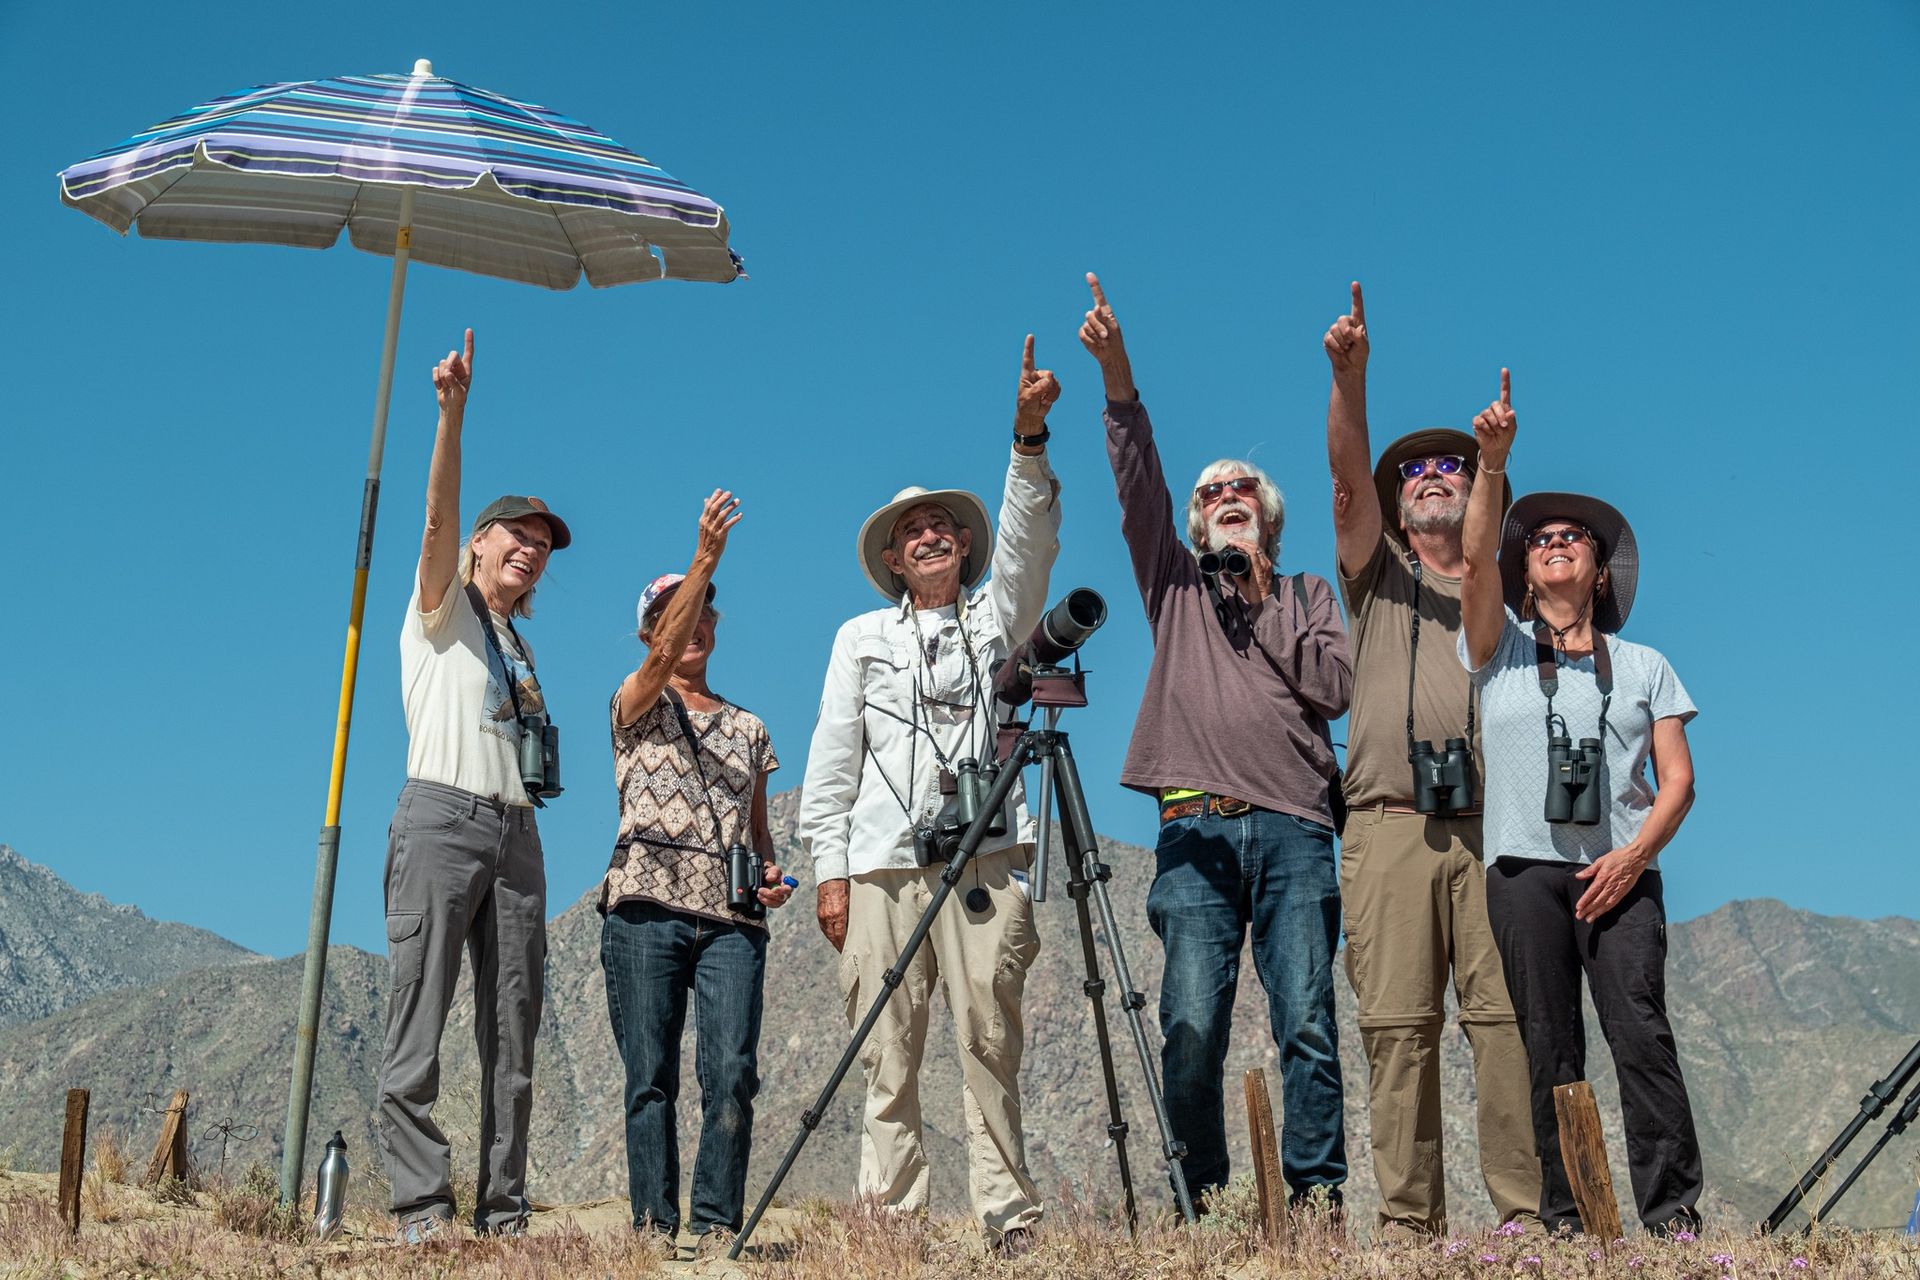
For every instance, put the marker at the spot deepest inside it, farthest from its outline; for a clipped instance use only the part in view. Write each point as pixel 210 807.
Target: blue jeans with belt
pixel 653 957
pixel 1214 877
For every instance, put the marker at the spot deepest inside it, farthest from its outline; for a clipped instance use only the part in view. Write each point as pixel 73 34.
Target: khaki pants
pixel 1415 897
pixel 982 959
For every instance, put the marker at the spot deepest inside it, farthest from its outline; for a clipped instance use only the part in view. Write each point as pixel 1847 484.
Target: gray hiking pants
pixel 461 870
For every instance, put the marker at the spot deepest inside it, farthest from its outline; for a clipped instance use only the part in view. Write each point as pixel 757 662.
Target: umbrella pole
pixel 328 857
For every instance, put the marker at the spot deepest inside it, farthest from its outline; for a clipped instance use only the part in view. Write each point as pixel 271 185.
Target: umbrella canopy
pixel 501 188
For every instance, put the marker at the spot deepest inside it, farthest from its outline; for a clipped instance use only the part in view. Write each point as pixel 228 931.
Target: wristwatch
pixel 1033 442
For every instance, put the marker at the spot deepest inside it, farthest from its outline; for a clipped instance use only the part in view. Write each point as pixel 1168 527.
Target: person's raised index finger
pixel 1359 305
pixel 1026 356
pixel 1099 295
pixel 469 351
pixel 1506 388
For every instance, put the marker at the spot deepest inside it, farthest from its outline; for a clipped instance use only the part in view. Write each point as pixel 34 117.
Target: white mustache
pixel 936 549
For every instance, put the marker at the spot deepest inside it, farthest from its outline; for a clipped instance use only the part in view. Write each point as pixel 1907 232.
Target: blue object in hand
pixel 790 882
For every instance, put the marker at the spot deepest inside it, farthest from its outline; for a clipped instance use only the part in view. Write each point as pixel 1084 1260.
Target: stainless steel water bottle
pixel 330 1197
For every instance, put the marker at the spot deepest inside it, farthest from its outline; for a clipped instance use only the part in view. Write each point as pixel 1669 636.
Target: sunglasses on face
pixel 1543 538
pixel 1451 464
pixel 1245 486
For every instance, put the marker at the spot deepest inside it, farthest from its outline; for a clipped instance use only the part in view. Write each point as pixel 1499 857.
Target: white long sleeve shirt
pixel 903 682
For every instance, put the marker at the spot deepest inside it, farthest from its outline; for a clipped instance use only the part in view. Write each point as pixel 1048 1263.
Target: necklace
pixel 1560 633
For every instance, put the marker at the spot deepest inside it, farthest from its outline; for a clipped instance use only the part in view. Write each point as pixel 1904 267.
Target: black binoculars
pixel 745 871
pixel 1442 780
pixel 1572 796
pixel 1233 562
pixel 540 756
pixel 967 787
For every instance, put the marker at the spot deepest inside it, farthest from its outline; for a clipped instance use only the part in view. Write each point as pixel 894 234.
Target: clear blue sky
pixel 1688 229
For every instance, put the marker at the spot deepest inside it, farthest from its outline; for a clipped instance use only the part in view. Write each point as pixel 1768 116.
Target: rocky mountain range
pixel 1783 1020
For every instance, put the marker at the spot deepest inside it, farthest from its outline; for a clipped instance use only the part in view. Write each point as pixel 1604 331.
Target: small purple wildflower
pixel 1489 1257
pixel 1456 1248
pixel 1723 1259
pixel 1685 1237
pixel 1798 1264
pixel 1510 1228
pixel 1636 1261
pixel 1593 1255
pixel 1531 1260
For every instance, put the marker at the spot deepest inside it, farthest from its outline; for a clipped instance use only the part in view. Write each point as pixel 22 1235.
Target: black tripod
pixel 1053 688
pixel 1882 1093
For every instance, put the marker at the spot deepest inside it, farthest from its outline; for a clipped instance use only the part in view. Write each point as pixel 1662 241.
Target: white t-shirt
pixel 1513 733
pixel 460 726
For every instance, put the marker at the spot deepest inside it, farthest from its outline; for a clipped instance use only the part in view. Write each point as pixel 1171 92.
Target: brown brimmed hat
pixel 515 507
pixel 877 534
pixel 1617 552
pixel 1431 443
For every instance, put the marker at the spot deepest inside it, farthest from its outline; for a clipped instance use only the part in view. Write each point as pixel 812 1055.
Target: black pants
pixel 1624 954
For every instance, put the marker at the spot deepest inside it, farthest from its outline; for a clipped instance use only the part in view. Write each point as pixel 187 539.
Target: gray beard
pixel 1220 537
pixel 1429 519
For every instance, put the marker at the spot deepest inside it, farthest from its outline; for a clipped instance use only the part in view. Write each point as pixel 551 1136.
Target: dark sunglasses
pixel 1245 486
pixel 1450 464
pixel 1544 538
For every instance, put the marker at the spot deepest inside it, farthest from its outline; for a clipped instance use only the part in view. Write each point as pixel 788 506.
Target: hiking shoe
pixel 1016 1242
pixel 712 1243
pixel 422 1227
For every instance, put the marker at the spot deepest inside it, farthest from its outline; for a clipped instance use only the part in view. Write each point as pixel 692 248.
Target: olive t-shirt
pixel 1379 602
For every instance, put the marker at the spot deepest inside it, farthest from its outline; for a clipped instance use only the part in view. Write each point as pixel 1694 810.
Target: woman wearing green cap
pixel 464 864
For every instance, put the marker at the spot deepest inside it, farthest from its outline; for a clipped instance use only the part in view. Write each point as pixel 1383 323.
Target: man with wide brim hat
pixel 1619 553
pixel 907 697
pixel 1412 887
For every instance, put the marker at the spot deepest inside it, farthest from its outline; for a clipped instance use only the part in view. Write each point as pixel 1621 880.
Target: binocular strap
pixel 700 770
pixel 1547 663
pixel 481 612
pixel 1413 663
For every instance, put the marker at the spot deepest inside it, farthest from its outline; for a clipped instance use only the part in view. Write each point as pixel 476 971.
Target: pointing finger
pixel 1506 388
pixel 469 352
pixel 1359 312
pixel 1099 296
pixel 1026 358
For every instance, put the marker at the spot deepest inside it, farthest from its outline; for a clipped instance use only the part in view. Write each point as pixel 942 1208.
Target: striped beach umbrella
pixel 413 166
pixel 500 187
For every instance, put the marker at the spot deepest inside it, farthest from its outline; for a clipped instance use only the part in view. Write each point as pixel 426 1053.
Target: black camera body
pixel 540 756
pixel 1572 772
pixel 745 873
pixel 1233 562
pixel 1442 780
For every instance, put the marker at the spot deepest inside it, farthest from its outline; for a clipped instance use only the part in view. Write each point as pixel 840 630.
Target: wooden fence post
pixel 1584 1151
pixel 73 1159
pixel 170 1153
pixel 1266 1157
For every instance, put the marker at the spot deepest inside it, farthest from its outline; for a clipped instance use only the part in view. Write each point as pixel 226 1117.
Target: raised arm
pixel 682 612
pixel 1029 540
pixel 1146 509
pixel 1356 516
pixel 1483 615
pixel 1610 875
pixel 440 544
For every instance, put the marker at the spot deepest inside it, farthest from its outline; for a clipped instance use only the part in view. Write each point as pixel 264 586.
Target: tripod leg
pixel 890 980
pixel 1076 820
pixel 1095 987
pixel 1882 1092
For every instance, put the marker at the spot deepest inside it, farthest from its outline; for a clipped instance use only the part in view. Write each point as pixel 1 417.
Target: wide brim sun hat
pixel 1603 521
pixel 968 512
pixel 1430 443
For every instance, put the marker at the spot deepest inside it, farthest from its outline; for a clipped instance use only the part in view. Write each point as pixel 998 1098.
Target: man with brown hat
pixel 907 698
pixel 1411 880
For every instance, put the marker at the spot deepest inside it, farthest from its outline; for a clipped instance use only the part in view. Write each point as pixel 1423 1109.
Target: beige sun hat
pixel 875 535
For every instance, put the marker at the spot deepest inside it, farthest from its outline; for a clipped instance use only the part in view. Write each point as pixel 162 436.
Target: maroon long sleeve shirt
pixel 1241 715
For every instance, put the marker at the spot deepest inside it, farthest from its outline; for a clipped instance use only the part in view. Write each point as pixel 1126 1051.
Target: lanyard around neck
pixel 1413 661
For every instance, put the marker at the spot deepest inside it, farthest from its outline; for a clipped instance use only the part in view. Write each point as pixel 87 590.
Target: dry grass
pixel 233 1232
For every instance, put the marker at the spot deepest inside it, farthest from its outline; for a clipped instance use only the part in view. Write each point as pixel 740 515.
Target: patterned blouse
pixel 674 833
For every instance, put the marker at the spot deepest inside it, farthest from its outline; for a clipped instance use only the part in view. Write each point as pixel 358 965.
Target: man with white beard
pixel 1232 743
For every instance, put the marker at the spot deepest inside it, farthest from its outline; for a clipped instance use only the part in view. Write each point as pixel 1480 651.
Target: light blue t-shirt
pixel 1514 741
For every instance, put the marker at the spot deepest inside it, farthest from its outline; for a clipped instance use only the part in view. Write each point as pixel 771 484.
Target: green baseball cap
pixel 515 507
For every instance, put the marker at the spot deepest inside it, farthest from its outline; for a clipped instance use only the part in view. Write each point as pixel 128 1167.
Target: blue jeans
pixel 1213 877
pixel 653 956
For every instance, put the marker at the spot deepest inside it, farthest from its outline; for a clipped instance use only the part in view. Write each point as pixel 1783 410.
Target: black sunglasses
pixel 1245 486
pixel 1544 538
